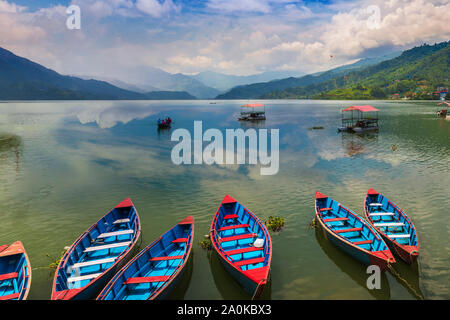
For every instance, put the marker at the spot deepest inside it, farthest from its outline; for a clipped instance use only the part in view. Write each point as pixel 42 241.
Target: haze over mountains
pixel 424 66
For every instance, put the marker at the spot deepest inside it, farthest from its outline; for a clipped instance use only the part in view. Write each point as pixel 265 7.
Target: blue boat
pixel 243 244
pixel 97 254
pixel 393 224
pixel 15 272
pixel 350 233
pixel 156 270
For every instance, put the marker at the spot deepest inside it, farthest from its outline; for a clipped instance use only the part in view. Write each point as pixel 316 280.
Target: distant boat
pixel 393 224
pixel 157 269
pixel 97 254
pixel 253 112
pixel 359 119
pixel 243 244
pixel 350 233
pixel 15 272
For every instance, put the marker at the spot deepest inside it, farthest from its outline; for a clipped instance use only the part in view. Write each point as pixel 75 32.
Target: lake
pixel 63 165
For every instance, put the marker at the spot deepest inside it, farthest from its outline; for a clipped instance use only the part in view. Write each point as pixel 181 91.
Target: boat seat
pixel 180 240
pixel 116 233
pixel 335 219
pixel 86 277
pixel 239 237
pixel 375 204
pixel 8 276
pixel 237 226
pixel 93 262
pixel 393 236
pixel 381 214
pixel 363 242
pixel 243 250
pixel 249 261
pixel 348 230
pixel 166 258
pixel 325 209
pixel 120 221
pixel 107 246
pixel 389 224
pixel 146 280
pixel 230 216
pixel 10 296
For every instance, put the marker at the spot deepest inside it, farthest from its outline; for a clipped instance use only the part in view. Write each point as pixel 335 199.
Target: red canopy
pixel 361 108
pixel 253 105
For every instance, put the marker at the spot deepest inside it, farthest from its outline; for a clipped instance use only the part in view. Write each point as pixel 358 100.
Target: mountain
pixel 257 90
pixel 416 74
pixel 22 79
pixel 147 78
pixel 169 95
pixel 224 82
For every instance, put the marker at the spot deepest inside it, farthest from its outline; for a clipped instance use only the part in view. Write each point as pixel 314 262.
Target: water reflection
pixel 180 290
pixel 354 269
pixel 356 143
pixel 408 276
pixel 10 144
pixel 228 287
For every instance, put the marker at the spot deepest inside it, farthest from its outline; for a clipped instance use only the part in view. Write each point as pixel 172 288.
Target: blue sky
pixel 119 38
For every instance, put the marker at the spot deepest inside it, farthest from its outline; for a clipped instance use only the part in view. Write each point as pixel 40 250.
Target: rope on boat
pixel 405 282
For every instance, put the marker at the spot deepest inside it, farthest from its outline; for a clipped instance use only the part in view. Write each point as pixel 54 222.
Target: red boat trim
pixel 335 219
pixel 238 237
pixel 237 226
pixel 146 280
pixel 9 276
pixel 10 296
pixel 348 230
pixel 243 250
pixel 337 236
pixel 257 275
pixel 166 258
pixel 71 293
pixel 241 263
pixel 178 269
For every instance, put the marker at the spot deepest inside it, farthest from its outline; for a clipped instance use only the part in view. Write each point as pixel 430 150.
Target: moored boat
pixel 156 270
pixel 15 272
pixel 243 244
pixel 393 224
pixel 97 254
pixel 350 233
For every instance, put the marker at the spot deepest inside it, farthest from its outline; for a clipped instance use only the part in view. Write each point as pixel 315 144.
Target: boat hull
pixel 407 252
pixel 15 255
pixel 61 290
pixel 142 268
pixel 248 264
pixel 359 255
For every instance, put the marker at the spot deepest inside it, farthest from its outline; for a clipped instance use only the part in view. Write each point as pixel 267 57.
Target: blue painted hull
pixel 156 270
pixel 15 272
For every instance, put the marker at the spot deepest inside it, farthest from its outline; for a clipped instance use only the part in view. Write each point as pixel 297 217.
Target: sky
pixel 241 37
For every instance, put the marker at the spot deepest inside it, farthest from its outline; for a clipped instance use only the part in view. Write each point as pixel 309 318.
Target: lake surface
pixel 63 165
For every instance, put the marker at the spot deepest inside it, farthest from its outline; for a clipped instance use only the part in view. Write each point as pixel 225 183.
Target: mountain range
pixel 414 73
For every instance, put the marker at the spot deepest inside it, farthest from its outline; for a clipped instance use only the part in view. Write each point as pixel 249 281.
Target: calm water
pixel 63 165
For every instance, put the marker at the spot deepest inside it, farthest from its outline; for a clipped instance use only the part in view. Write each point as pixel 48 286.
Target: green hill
pixel 415 74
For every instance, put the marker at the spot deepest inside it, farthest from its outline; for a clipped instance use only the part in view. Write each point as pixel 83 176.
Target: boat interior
pixel 13 276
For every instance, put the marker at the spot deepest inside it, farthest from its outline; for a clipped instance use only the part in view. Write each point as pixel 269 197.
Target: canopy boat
pixel 393 224
pixel 15 272
pixel 350 233
pixel 361 119
pixel 97 254
pixel 243 245
pixel 156 270
pixel 253 112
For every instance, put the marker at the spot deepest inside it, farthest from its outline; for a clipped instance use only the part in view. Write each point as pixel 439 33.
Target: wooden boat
pixel 393 224
pixel 350 233
pixel 156 270
pixel 15 272
pixel 97 254
pixel 243 244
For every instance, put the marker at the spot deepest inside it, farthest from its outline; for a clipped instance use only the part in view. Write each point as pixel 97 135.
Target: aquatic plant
pixel 206 243
pixel 56 262
pixel 316 128
pixel 275 223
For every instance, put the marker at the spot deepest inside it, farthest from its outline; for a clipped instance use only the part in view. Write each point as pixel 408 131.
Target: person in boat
pixel 169 121
pixel 159 122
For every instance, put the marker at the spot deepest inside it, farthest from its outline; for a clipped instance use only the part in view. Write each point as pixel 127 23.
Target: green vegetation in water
pixel 394 147
pixel 206 243
pixel 275 223
pixel 56 262
pixel 316 128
